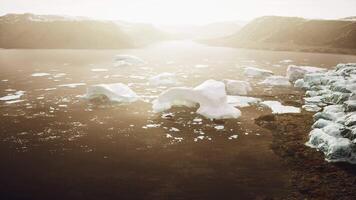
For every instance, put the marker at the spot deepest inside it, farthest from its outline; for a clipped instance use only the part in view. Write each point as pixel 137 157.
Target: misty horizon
pixel 184 12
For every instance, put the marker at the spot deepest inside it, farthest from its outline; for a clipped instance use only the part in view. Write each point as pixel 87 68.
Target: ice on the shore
pixel 278 108
pixel 12 96
pixel 237 87
pixel 276 81
pixel 336 149
pixel 127 60
pixel 334 130
pixel 163 79
pixel 39 74
pixel 210 95
pixel 298 72
pixel 116 92
pixel 257 72
pixel 242 101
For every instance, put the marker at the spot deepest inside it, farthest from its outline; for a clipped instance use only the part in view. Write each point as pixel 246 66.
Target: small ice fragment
pixel 201 66
pixel 40 74
pixel 276 81
pixel 236 87
pixel 242 101
pixel 257 72
pixel 165 79
pixel 174 129
pixel 72 85
pixel 13 96
pixel 233 137
pixel 14 101
pixel 99 70
pixel 219 127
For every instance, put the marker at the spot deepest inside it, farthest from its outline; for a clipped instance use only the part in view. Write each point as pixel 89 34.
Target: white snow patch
pixel 210 95
pixel 116 92
pixel 278 108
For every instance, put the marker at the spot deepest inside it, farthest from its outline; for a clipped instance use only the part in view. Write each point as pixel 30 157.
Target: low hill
pixel 296 34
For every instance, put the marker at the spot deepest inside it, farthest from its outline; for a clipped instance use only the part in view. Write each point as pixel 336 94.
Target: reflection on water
pixel 127 150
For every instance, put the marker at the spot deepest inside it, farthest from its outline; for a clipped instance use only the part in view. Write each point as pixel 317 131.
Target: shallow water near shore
pixel 54 144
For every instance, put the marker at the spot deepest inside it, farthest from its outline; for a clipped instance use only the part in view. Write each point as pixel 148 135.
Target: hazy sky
pixel 183 11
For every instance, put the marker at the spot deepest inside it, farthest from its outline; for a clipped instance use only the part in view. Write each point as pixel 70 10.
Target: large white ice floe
pixel 334 130
pixel 257 72
pixel 242 101
pixel 237 87
pixel 298 72
pixel 276 81
pixel 163 79
pixel 117 92
pixel 127 60
pixel 210 95
pixel 278 108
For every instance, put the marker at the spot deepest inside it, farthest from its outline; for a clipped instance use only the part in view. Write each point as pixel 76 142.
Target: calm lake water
pixel 55 145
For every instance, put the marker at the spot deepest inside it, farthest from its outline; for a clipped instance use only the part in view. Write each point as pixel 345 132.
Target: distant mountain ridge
pixel 52 31
pixel 296 34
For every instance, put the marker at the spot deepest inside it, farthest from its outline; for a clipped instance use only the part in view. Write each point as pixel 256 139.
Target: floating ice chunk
pixel 164 79
pixel 278 108
pixel 257 72
pixel 298 72
pixel 99 70
pixel 127 60
pixel 236 87
pixel 242 101
pixel 40 74
pixel 276 81
pixel 210 95
pixel 72 85
pixel 116 92
pixel 13 96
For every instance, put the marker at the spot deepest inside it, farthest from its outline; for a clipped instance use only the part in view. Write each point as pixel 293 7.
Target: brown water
pixel 55 145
